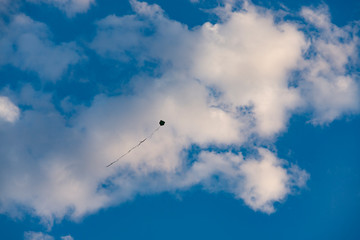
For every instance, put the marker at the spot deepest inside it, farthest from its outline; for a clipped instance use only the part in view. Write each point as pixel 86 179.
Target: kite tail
pixel 136 146
pixel 157 129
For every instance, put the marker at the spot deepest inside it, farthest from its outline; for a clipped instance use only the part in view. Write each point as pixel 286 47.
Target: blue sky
pixel 261 103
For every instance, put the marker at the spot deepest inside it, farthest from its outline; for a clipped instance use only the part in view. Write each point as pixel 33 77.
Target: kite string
pixel 150 136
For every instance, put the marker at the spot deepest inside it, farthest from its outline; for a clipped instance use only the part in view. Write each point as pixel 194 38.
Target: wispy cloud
pixel 70 7
pixel 37 236
pixel 330 87
pixel 68 237
pixel 6 6
pixel 43 236
pixel 25 44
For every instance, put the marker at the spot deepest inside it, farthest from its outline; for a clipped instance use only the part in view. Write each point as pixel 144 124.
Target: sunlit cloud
pixel 219 86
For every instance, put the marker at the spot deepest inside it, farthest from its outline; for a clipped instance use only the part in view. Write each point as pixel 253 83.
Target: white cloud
pixel 70 7
pixel 30 235
pixel 330 88
pixel 25 44
pixel 267 181
pixel 247 58
pixel 219 85
pixel 68 237
pixel 9 112
pixel 37 236
pixel 259 182
pixel 28 148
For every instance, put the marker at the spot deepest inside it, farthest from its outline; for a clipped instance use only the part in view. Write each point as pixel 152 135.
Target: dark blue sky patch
pixel 183 11
pixel 15 79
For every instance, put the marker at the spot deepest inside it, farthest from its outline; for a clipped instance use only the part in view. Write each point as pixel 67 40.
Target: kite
pixel 161 123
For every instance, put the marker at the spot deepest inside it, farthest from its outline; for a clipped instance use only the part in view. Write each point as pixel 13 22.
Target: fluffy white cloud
pixel 70 7
pixel 248 59
pixel 330 88
pixel 9 112
pixel 25 44
pixel 258 181
pixel 218 86
pixel 55 190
